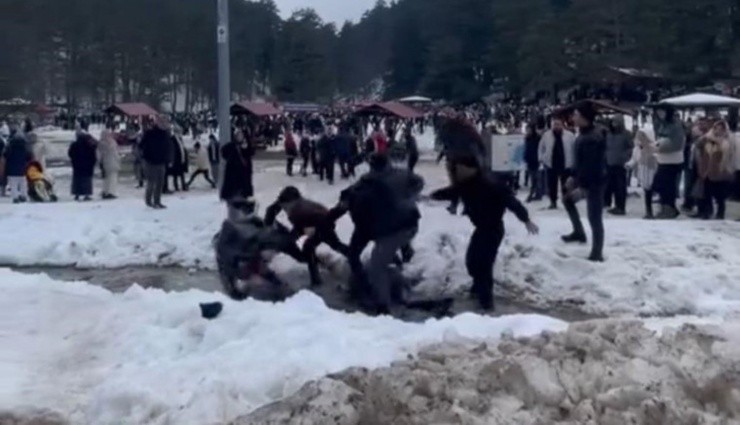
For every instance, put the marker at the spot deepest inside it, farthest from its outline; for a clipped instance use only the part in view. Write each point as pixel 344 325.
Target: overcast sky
pixel 336 11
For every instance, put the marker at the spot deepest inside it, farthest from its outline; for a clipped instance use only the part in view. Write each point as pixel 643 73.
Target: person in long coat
pixel 83 154
pixel 110 158
pixel 237 155
pixel 178 167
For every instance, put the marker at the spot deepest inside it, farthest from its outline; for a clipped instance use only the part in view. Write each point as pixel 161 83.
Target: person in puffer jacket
pixel 670 142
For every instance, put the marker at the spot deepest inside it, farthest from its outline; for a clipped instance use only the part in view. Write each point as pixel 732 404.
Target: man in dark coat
pixel 305 151
pixel 382 205
pixel 327 157
pixel 178 167
pixel 412 148
pixel 619 147
pixel 307 217
pixel 343 144
pixel 17 157
pixel 485 201
pixel 531 158
pixel 83 154
pixel 237 154
pixel 156 151
pixel 588 181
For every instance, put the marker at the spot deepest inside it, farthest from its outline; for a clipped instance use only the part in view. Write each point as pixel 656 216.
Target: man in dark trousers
pixel 156 151
pixel 556 154
pixel 412 148
pixel 588 181
pixel 310 218
pixel 619 146
pixel 327 157
pixel 485 202
pixel 382 205
pixel 305 150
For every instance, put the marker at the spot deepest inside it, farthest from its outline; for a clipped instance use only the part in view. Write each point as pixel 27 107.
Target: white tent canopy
pixel 415 99
pixel 701 99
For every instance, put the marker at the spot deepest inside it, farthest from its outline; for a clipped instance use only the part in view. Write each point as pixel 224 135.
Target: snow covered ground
pixel 652 268
pixel 147 357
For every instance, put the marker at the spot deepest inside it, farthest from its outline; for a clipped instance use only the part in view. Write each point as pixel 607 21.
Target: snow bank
pixel 146 357
pixel 608 373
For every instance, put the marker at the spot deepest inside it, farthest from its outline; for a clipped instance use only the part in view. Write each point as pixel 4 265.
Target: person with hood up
pixel 237 180
pixel 670 153
pixel 644 164
pixel 382 205
pixel 485 201
pixel 715 153
pixel 619 147
pixel 17 158
pixel 556 153
pixel 178 166
pixel 156 147
pixel 588 181
pixel 291 150
pixel 83 154
pixel 110 158
pixel 308 218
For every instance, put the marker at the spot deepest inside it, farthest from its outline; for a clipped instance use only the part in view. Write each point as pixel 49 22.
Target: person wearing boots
pixel 485 201
pixel 556 154
pixel 588 181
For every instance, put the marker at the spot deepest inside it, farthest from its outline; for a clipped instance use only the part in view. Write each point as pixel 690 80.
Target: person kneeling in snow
pixel 485 202
pixel 244 247
pixel 40 188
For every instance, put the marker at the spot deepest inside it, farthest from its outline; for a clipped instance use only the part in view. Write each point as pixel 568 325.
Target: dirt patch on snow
pixel 31 417
pixel 600 372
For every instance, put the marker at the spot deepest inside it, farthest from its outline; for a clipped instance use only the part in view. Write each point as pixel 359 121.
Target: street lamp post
pixel 224 76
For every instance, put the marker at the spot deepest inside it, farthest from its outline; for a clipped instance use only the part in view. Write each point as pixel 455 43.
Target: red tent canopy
pixel 391 108
pixel 257 109
pixel 131 109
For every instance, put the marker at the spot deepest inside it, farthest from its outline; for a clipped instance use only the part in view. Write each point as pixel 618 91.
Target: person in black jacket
pixel 485 201
pixel 83 154
pixel 412 148
pixel 382 205
pixel 237 155
pixel 531 158
pixel 327 157
pixel 156 151
pixel 305 150
pixel 589 181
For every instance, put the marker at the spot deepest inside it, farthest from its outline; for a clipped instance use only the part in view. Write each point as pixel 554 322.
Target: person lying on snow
pixel 246 245
pixel 308 218
pixel 485 201
pixel 40 188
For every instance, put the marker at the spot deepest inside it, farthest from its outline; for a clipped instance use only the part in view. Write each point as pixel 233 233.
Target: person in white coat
pixel 39 149
pixel 110 158
pixel 202 166
pixel 557 153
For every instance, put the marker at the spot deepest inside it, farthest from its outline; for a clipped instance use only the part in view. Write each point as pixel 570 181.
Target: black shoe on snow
pixel 596 258
pixel 617 211
pixel 574 238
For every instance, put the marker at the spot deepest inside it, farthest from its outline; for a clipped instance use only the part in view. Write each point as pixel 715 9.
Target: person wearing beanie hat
pixel 588 181
pixel 308 218
pixel 485 201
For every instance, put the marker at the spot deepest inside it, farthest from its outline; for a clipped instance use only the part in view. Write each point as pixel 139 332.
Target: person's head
pixel 27 125
pixel 289 195
pixel 242 209
pixel 197 146
pixel 379 162
pixel 584 115
pixel 703 124
pixel 721 129
pixel 558 125
pixel 666 113
pixel 642 139
pixel 162 122
pixel 464 168
pixel 617 123
pixel 530 130
pixel 212 138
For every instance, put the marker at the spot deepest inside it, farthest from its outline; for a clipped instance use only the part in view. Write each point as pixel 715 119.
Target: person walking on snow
pixel 485 202
pixel 291 150
pixel 670 146
pixel 202 166
pixel 110 158
pixel 715 155
pixel 619 147
pixel 178 166
pixel 214 157
pixel 412 148
pixel 588 181
pixel 237 179
pixel 17 158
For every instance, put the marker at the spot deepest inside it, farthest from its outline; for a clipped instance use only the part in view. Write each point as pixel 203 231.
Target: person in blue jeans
pixel 588 181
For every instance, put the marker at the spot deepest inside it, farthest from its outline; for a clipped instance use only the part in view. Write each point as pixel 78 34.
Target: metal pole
pixel 224 77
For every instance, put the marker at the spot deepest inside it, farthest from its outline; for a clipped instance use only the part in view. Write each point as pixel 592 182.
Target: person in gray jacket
pixel 619 146
pixel 671 139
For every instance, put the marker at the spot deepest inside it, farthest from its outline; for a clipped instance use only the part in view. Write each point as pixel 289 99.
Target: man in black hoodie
pixel 382 205
pixel 156 151
pixel 485 201
pixel 588 181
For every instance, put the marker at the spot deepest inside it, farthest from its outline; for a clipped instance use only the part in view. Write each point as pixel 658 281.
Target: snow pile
pixel 147 357
pixel 608 373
